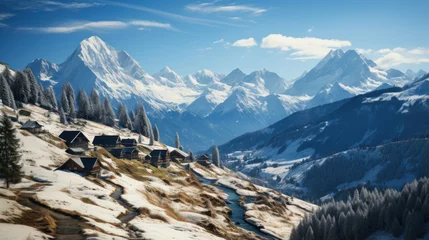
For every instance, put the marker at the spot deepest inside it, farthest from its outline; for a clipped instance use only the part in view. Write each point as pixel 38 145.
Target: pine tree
pixel 10 169
pixel 215 156
pixel 41 99
pixel 156 133
pixel 6 94
pixel 63 119
pixel 96 106
pixel 309 235
pixel 50 97
pixel 85 110
pixel 140 139
pixel 141 122
pixel 8 76
pixel 109 114
pixel 34 88
pixel 177 141
pixel 68 101
pixel 396 228
pixel 124 119
pixel 132 116
pixel 151 138
pixel 21 87
pixel 191 155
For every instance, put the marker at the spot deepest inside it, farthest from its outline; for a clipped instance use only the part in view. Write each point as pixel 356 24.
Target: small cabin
pixel 84 165
pixel 160 158
pixel 204 160
pixel 178 155
pixel 32 127
pixel 131 153
pixel 129 142
pixel 117 152
pixel 107 141
pixel 24 112
pixel 75 139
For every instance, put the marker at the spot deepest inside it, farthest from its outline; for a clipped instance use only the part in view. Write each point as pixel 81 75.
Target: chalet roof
pixel 161 153
pixel 129 150
pixel 87 163
pixel 203 157
pixel 129 141
pixel 182 153
pixel 116 151
pixel 70 136
pixel 106 140
pixel 31 124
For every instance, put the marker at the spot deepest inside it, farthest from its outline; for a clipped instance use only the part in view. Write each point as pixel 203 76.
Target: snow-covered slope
pixel 329 94
pixel 355 72
pixel 234 78
pixel 215 94
pixel 43 70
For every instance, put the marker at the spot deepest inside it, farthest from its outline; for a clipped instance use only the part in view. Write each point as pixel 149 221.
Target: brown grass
pixel 88 201
pixel 25 133
pixel 40 220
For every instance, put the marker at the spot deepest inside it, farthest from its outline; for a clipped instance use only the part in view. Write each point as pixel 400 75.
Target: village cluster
pixel 123 148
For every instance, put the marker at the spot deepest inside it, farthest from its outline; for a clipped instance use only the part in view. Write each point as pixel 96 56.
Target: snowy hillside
pixel 130 199
pixel 366 120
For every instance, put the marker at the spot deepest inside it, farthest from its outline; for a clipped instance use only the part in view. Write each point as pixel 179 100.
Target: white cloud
pixel 4 16
pixel 71 5
pixel 100 25
pixel 394 59
pixel 364 51
pixel 249 42
pixel 78 27
pixel 310 29
pixel 419 51
pixel 49 6
pixel 219 41
pixel 303 48
pixel 212 8
pixel 144 23
pixel 204 49
pixel 3 25
pixel 235 18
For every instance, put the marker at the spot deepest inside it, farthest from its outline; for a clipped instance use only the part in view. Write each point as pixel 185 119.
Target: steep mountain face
pixel 215 94
pixel 234 78
pixel 43 71
pixel 372 119
pixel 415 75
pixel 265 82
pixel 206 77
pixel 351 69
pixel 331 93
pixel 168 77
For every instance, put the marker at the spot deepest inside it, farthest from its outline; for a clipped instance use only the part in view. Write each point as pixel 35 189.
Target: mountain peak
pixel 166 69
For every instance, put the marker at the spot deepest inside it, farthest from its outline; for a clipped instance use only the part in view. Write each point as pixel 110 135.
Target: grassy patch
pixel 88 201
pixel 25 133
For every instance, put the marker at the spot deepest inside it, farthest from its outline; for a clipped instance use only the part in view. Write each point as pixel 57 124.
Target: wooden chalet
pixel 75 139
pixel 160 157
pixel 178 155
pixel 129 142
pixel 32 126
pixel 107 141
pixel 204 160
pixel 117 152
pixel 84 165
pixel 131 153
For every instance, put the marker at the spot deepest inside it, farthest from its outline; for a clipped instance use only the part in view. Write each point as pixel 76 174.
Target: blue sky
pixel 284 36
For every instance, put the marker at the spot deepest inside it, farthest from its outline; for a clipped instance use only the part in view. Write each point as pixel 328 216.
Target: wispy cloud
pixel 212 7
pixel 392 57
pixel 47 5
pixel 192 20
pixel 310 30
pixel 219 41
pixel 249 42
pixel 204 49
pixel 99 25
pixel 303 48
pixel 4 16
pixel 150 24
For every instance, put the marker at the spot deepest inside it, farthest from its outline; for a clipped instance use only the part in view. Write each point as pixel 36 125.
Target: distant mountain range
pixel 209 108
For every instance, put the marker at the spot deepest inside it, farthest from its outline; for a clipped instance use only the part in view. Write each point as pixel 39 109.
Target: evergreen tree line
pixel 24 88
pixel 10 169
pixel 398 213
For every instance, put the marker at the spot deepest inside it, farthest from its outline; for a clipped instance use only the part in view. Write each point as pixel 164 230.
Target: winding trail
pixel 238 211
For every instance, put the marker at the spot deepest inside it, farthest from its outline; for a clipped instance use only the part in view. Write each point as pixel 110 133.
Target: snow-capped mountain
pixel 355 72
pixel 234 78
pixel 43 70
pixel 371 119
pixel 215 94
pixel 168 77
pixel 206 76
pixel 330 93
pixel 265 82
pixel 415 75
